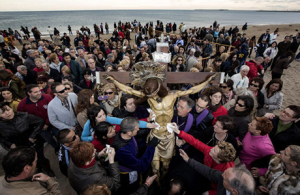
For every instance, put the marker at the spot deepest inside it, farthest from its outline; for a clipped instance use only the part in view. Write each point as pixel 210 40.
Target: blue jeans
pixel 48 137
pixel 298 56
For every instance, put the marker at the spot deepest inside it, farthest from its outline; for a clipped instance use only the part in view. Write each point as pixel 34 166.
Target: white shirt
pixel 273 38
pixel 238 81
pixel 50 31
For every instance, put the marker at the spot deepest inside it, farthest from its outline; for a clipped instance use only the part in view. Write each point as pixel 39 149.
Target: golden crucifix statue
pixel 150 76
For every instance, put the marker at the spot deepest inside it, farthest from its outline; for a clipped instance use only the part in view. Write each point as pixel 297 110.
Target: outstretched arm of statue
pixel 123 87
pixel 196 88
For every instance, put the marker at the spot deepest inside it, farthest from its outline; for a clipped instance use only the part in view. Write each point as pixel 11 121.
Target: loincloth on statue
pixel 164 151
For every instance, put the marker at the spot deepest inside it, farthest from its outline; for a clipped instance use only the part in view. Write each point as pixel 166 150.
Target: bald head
pixel 238 180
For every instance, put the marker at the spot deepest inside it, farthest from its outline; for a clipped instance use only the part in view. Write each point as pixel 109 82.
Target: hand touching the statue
pixel 151 125
pixel 175 128
pixel 108 77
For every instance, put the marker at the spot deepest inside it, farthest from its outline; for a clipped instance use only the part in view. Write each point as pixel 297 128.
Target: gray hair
pixel 28 52
pixel 128 124
pixel 189 101
pixel 45 62
pixel 245 67
pixel 22 67
pixel 243 181
pixel 110 57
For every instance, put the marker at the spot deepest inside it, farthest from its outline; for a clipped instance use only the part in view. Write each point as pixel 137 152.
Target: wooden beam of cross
pixel 171 77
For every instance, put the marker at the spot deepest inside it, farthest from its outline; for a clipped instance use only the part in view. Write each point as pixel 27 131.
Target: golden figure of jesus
pixel 163 108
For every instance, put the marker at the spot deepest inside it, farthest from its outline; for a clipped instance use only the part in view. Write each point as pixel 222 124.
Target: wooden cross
pixel 171 77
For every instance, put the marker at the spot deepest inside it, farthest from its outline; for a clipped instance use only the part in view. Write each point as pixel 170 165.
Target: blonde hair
pixel 145 55
pixel 174 61
pixel 194 69
pixel 227 152
pixel 125 62
pixel 101 189
pixel 38 59
pixel 109 86
pixel 224 56
pixel 198 66
pixel 66 69
pixel 208 69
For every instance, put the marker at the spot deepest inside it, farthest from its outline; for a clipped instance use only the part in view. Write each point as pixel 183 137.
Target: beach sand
pixel 291 80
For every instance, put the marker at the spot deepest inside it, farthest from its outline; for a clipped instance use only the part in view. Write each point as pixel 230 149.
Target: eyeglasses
pixel 73 138
pixel 224 87
pixel 287 114
pixel 108 93
pixel 61 91
pixel 179 60
pixel 67 88
pixel 254 85
pixel 240 105
pixel 200 107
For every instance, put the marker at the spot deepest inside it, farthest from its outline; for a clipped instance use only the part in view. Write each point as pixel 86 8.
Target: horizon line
pixel 286 10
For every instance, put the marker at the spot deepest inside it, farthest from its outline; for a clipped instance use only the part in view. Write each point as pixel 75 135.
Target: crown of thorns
pixel 142 71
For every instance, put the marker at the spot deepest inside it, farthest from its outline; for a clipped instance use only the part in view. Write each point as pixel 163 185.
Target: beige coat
pixel 28 187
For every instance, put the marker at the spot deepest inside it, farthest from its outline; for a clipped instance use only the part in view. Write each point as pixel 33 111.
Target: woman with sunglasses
pixel 227 89
pixel 7 95
pixel 272 96
pixel 241 115
pixel 255 86
pixel 97 114
pixel 178 64
pixel 109 100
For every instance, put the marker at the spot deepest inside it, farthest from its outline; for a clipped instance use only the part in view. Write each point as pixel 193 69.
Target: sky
pixel 56 5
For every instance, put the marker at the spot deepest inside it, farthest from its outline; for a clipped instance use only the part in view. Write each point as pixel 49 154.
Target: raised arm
pixel 195 89
pixel 123 87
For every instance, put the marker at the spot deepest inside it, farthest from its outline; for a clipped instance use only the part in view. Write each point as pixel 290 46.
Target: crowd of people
pixel 101 134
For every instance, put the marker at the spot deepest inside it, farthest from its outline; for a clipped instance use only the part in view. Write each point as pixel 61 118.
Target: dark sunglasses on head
pixel 61 91
pixel 254 85
pixel 224 87
pixel 240 105
pixel 108 93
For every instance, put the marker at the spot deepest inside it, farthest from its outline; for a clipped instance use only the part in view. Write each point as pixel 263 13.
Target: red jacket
pixel 38 70
pixel 208 160
pixel 38 109
pixel 219 112
pixel 121 34
pixel 254 69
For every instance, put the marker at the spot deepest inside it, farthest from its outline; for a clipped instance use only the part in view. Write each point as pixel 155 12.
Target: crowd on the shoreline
pixel 49 94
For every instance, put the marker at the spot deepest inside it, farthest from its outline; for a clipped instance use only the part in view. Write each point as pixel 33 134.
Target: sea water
pixel 198 18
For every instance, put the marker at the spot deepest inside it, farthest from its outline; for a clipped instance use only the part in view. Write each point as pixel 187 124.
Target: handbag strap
pixel 73 107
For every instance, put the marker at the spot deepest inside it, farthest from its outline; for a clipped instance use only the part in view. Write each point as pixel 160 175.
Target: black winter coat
pixel 19 129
